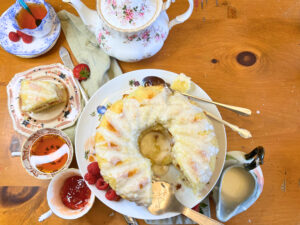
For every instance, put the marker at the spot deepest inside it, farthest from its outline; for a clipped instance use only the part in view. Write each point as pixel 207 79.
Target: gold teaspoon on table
pixel 164 200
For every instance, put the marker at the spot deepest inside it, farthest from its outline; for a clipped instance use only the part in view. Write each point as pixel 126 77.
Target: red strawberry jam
pixel 74 193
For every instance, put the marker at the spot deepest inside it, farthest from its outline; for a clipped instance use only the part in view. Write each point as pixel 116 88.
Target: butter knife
pixel 65 57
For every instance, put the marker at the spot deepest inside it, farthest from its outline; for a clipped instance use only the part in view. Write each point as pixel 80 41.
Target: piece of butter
pixel 182 83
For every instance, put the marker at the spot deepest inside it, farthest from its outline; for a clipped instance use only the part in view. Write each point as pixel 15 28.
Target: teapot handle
pixel 181 18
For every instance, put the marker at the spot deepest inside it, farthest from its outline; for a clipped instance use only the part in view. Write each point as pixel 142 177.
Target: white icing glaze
pixel 195 143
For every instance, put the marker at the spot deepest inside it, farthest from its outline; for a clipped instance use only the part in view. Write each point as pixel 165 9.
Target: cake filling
pixel 156 144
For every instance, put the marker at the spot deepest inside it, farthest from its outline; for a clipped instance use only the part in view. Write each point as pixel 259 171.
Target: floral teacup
pixel 43 29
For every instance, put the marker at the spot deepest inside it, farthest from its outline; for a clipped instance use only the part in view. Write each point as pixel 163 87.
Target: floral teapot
pixel 130 30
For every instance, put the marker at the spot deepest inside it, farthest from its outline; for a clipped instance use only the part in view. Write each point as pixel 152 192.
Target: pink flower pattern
pixel 147 35
pixel 125 12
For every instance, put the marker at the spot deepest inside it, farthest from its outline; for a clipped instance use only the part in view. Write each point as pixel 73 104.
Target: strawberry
pixel 81 72
pixel 13 36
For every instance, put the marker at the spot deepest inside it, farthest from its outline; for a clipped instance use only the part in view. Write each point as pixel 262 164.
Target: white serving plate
pixel 88 121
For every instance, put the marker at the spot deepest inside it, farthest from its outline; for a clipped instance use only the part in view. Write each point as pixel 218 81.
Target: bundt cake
pixel 126 169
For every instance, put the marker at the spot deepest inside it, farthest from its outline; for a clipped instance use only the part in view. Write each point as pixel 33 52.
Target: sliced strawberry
pixel 13 36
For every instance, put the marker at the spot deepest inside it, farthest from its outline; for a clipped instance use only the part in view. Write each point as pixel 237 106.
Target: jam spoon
pixel 25 6
pixel 164 200
pixel 153 80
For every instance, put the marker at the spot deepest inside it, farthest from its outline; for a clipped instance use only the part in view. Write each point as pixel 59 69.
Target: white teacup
pixel 43 29
pixel 54 200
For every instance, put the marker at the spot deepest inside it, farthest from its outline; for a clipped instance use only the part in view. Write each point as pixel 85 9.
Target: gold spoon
pixel 164 200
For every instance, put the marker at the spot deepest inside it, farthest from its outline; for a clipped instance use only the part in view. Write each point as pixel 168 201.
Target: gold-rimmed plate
pixel 89 120
pixel 61 116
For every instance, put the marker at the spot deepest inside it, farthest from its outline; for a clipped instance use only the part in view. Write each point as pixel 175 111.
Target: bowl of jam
pixel 46 153
pixel 68 195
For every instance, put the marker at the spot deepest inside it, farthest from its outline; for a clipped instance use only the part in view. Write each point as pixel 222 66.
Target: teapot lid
pixel 129 15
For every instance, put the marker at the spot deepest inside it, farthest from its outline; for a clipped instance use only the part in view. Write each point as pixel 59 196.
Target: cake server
pixel 164 200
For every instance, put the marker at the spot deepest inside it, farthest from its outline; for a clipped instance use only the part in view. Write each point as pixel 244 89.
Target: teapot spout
pixel 89 17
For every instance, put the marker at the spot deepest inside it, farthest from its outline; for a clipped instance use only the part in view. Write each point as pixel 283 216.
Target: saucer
pixel 59 116
pixel 38 47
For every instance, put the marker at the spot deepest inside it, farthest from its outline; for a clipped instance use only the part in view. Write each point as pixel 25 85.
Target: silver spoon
pixel 164 200
pixel 153 80
pixel 242 132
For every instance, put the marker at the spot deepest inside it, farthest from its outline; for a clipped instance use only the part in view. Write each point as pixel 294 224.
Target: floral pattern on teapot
pixel 127 13
pixel 151 34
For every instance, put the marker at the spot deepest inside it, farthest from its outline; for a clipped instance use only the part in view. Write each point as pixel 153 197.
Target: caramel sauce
pixel 25 20
pixel 49 153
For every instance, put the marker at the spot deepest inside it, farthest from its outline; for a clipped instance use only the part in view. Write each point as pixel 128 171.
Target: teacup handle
pixel 181 18
pixel 257 155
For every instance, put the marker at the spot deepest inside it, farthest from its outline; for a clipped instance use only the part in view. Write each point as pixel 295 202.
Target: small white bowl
pixel 54 199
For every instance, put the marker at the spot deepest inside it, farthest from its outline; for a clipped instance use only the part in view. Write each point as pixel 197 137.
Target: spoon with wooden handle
pixel 164 200
pixel 153 80
pixel 25 6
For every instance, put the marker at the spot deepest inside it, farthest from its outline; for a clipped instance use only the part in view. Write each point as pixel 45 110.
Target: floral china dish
pixel 38 46
pixel 89 120
pixel 248 184
pixel 54 198
pixel 130 30
pixel 60 116
pixel 43 29
pixel 26 155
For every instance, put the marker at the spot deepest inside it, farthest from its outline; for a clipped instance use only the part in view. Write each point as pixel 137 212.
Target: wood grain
pixel 205 48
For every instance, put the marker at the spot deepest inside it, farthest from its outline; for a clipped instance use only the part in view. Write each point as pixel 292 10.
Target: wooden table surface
pixel 205 48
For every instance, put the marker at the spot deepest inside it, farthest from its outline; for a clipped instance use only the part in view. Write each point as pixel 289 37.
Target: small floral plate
pixel 38 47
pixel 60 116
